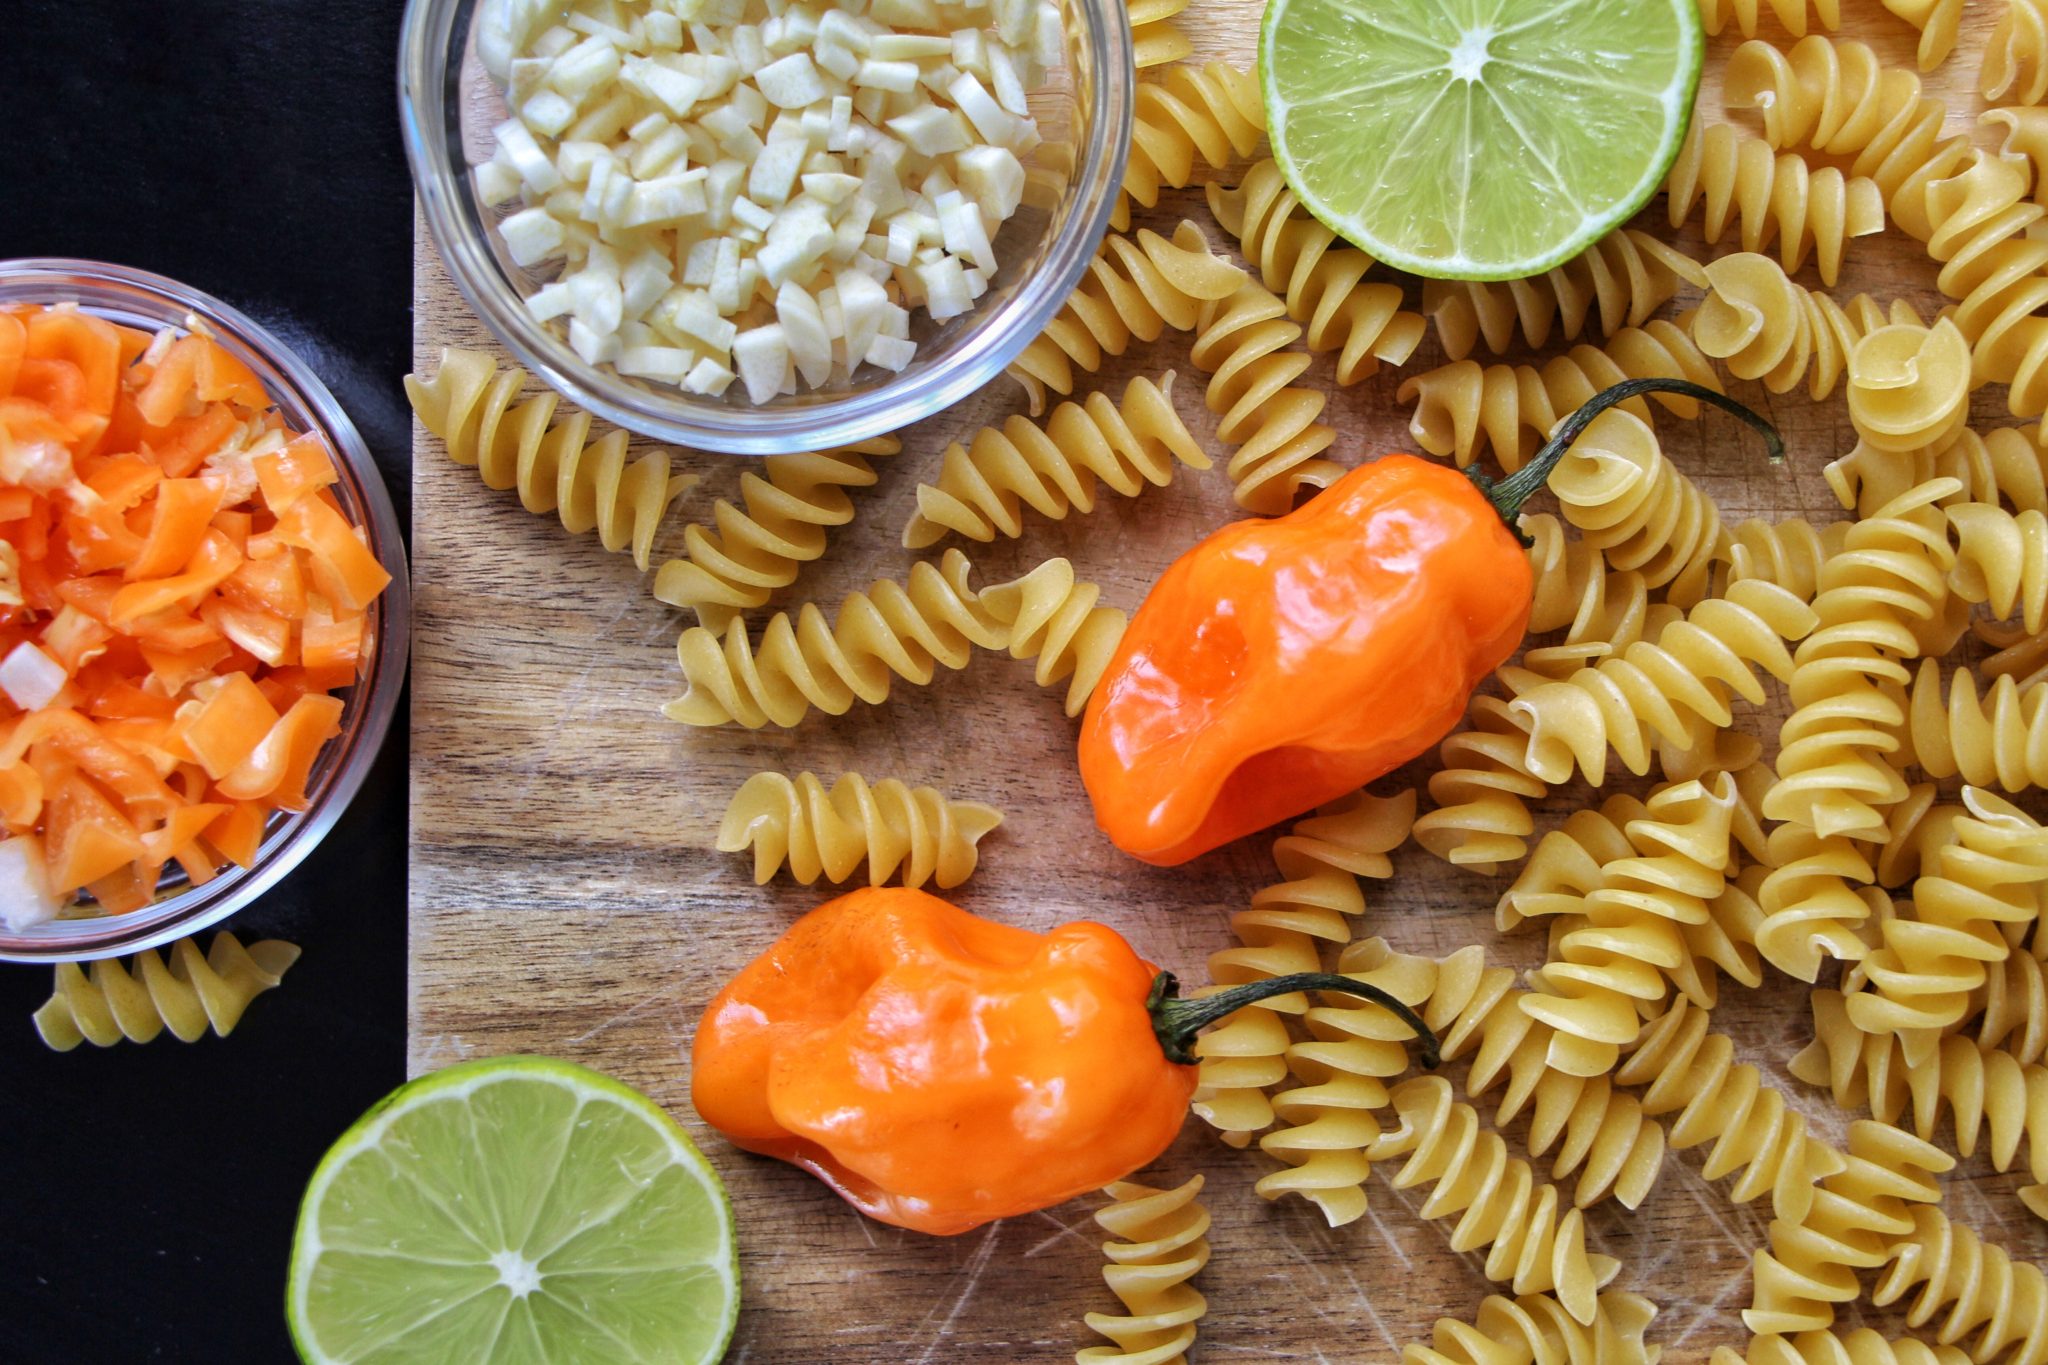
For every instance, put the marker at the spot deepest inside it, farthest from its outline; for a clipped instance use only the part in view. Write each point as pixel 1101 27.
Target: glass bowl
pixel 448 107
pixel 136 298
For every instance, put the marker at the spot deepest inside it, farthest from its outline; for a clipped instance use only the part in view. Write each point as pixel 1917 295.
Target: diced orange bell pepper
pixel 325 642
pixel 87 837
pixel 238 835
pixel 13 346
pixel 344 571
pixel 125 888
pixel 222 378
pixel 302 467
pixel 125 480
pixel 78 739
pixel 90 344
pixel 173 383
pixel 21 796
pixel 184 510
pixel 210 565
pixel 177 669
pixel 16 503
pixel 73 639
pixel 181 447
pixel 223 730
pixel 274 585
pixel 278 768
pixel 264 636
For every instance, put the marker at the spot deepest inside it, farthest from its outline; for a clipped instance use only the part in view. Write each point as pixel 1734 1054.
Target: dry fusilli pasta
pixel 1482 790
pixel 1320 861
pixel 1788 552
pixel 1531 1242
pixel 1605 1136
pixel 1909 386
pixel 1159 1242
pixel 1813 1262
pixel 2002 559
pixel 1536 1330
pixel 1772 196
pixel 743 557
pixel 1617 282
pixel 1836 96
pixel 892 630
pixel 1980 227
pixel 2000 740
pixel 1135 288
pixel 1320 275
pixel 1051 616
pixel 104 1002
pixel 1767 327
pixel 1638 508
pixel 1939 22
pixel 2011 1007
pixel 894 828
pixel 1863 1346
pixel 469 404
pixel 1055 467
pixel 1600 611
pixel 1985 1091
pixel 1758 1137
pixel 2004 466
pixel 2015 65
pixel 1328 1120
pixel 2005 1302
pixel 1244 343
pixel 1210 112
pixel 1155 38
pixel 1463 408
pixel 1792 14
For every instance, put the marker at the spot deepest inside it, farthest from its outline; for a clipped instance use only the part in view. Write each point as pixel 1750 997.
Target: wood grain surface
pixel 566 898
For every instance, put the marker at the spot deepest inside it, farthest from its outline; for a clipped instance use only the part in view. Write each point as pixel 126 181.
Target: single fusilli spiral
pixel 1909 386
pixel 1767 327
pixel 1772 197
pixel 1531 1241
pixel 1663 687
pixel 1835 774
pixel 1715 15
pixel 1757 1136
pixel 104 1002
pixel 1155 38
pixel 1481 793
pixel 1639 508
pixel 1136 287
pixel 1244 343
pixel 1535 1329
pixel 1463 408
pixel 1051 616
pixel 469 404
pixel 1600 1131
pixel 1983 1090
pixel 894 828
pixel 892 630
pixel 1328 1119
pixel 1319 275
pixel 1159 1242
pixel 2015 69
pixel 743 557
pixel 1211 114
pixel 1617 282
pixel 1864 1346
pixel 1980 225
pixel 1837 97
pixel 1055 467
pixel 2003 1301
pixel 1813 1262
pixel 1319 861
pixel 1599 610
pixel 1985 884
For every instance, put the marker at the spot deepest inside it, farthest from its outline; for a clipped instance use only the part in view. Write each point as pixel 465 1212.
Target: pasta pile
pixel 105 1002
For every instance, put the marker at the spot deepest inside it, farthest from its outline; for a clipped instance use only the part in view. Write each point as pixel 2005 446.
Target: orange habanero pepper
pixel 939 1071
pixel 1285 661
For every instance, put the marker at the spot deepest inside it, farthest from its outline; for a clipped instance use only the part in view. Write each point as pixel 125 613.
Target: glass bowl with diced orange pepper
pixel 203 610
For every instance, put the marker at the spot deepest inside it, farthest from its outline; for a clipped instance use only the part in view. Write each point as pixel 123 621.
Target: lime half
pixel 1477 139
pixel 516 1209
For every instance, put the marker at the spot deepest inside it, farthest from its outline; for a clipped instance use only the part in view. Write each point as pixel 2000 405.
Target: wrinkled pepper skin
pixel 1286 661
pixel 937 1070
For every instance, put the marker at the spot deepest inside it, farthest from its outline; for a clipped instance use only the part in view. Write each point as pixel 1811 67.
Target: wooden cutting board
pixel 566 898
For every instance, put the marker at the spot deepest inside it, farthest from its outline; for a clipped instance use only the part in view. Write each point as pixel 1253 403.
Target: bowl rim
pixel 427 32
pixel 290 840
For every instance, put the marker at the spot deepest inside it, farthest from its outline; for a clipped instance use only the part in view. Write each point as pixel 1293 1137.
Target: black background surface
pixel 250 149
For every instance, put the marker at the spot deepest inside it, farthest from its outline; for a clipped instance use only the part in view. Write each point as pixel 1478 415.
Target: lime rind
pixel 1416 49
pixel 559 1318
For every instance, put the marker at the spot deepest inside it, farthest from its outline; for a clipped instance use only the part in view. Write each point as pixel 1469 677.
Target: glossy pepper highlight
pixel 940 1071
pixel 1285 661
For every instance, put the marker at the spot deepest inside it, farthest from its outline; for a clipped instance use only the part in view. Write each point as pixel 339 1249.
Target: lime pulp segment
pixel 514 1210
pixel 1477 139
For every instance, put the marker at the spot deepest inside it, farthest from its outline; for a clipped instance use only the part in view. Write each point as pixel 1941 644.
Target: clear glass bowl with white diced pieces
pixel 757 226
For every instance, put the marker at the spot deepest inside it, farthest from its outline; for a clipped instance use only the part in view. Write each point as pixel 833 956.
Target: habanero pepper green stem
pixel 1287 661
pixel 1176 1021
